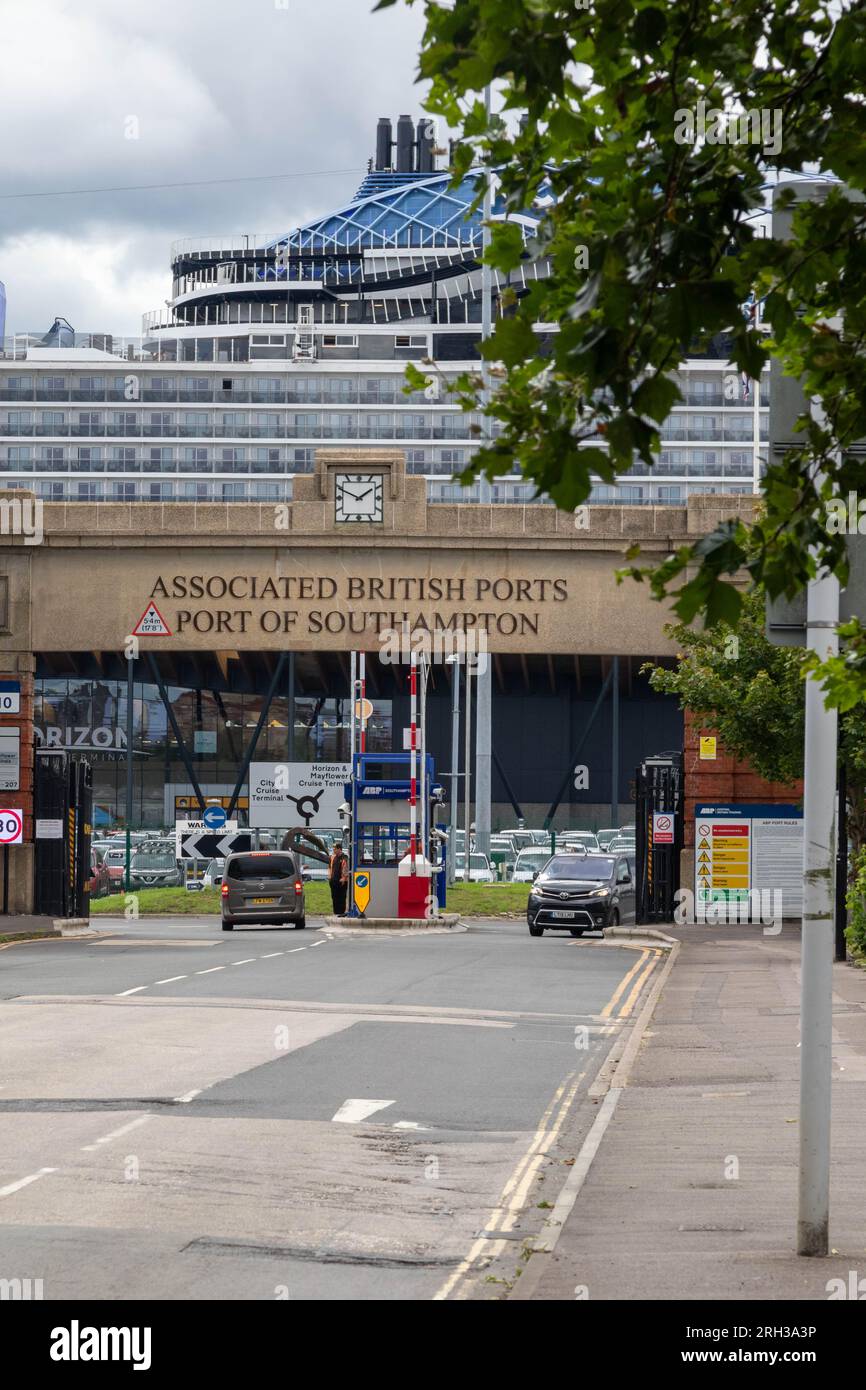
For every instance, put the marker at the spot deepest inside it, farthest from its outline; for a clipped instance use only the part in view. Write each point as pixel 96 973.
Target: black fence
pixel 658 815
pixel 62 802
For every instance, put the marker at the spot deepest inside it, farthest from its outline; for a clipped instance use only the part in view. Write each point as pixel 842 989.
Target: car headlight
pixel 600 893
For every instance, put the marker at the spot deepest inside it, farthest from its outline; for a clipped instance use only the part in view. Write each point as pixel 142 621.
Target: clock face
pixel 358 497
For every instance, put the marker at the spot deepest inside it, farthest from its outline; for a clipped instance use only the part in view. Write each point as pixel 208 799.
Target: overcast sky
pixel 104 93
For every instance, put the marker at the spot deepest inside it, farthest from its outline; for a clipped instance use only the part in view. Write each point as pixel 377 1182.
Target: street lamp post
pixel 454 662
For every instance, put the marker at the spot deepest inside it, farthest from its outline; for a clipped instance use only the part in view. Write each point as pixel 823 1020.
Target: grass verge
pixel 469 899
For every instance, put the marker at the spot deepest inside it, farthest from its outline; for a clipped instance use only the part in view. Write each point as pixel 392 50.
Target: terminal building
pixel 275 356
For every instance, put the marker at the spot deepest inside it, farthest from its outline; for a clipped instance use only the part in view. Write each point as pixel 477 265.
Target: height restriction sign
pixel 151 623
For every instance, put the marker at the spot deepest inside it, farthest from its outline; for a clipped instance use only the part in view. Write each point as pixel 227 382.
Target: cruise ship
pixel 270 346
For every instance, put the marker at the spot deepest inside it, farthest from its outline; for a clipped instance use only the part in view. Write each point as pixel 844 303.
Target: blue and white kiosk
pixel 378 797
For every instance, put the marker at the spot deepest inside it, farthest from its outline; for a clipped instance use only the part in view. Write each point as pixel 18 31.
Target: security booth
pixel 379 798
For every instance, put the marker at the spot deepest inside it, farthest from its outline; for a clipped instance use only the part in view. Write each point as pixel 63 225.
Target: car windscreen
pixel 147 860
pixel 577 866
pixel 248 866
pixel 532 858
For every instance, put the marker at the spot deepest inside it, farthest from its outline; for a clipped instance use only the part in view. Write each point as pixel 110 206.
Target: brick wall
pixel 724 780
pixel 21 667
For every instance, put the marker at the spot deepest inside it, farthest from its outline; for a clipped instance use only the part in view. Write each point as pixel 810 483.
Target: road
pixel 305 1115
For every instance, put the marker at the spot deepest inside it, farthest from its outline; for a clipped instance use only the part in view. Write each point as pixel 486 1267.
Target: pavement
pixel 692 1190
pixel 21 926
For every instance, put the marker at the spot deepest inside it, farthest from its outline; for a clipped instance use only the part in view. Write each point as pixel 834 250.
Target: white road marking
pixel 243 962
pixel 271 955
pixel 115 1134
pixel 295 949
pixel 190 1095
pixel 137 990
pixel 170 981
pixel 211 971
pixel 352 1112
pixel 319 943
pixel 24 1182
pixel 409 1124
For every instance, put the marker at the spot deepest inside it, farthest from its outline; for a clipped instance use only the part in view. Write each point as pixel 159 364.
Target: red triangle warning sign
pixel 151 623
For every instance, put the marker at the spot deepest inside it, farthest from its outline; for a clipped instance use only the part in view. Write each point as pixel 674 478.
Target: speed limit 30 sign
pixel 11 827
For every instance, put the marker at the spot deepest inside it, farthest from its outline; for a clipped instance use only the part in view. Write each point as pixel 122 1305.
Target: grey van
pixel 262 886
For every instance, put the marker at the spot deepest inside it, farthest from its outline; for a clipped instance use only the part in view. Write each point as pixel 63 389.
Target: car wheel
pixel 300 924
pixel 536 931
pixel 228 926
pixel 576 931
pixel 614 918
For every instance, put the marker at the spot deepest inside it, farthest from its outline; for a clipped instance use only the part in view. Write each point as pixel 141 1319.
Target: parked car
pixel 480 868
pixel 503 856
pixel 604 837
pixel 622 845
pixel 100 881
pixel 114 860
pixel 154 866
pixel 578 893
pixel 213 874
pixel 528 863
pixel 262 886
pixel 585 838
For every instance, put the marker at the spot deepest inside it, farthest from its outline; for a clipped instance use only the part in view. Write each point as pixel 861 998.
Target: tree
pixel 651 132
pixel 753 694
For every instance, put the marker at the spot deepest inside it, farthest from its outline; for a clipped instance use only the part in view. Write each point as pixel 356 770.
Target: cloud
pixel 104 95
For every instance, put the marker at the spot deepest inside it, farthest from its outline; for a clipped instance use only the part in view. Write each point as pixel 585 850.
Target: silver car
pixel 262 886
pixel 154 866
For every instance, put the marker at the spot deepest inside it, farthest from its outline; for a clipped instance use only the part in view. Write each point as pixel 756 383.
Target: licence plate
pixel 256 901
pixel 569 915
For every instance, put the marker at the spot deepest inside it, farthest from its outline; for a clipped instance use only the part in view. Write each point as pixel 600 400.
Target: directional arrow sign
pixel 204 845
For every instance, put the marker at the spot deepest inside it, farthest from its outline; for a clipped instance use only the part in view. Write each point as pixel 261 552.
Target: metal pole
pixel 842 864
pixel 484 673
pixel 413 733
pixel 614 750
pixel 483 743
pixel 756 436
pixel 290 750
pixel 353 664
pixel 486 325
pixel 130 689
pixel 362 672
pixel 468 762
pixel 455 766
pixel 424 792
pixel 819 864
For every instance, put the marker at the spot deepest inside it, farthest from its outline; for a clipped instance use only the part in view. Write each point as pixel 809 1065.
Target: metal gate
pixel 63 793
pixel 658 788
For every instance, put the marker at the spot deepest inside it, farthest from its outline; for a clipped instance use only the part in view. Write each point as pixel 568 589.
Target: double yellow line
pixel 515 1191
pixel 637 978
pixel 517 1187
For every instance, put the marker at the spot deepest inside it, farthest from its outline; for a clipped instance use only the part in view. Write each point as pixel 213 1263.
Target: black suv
pixel 580 892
